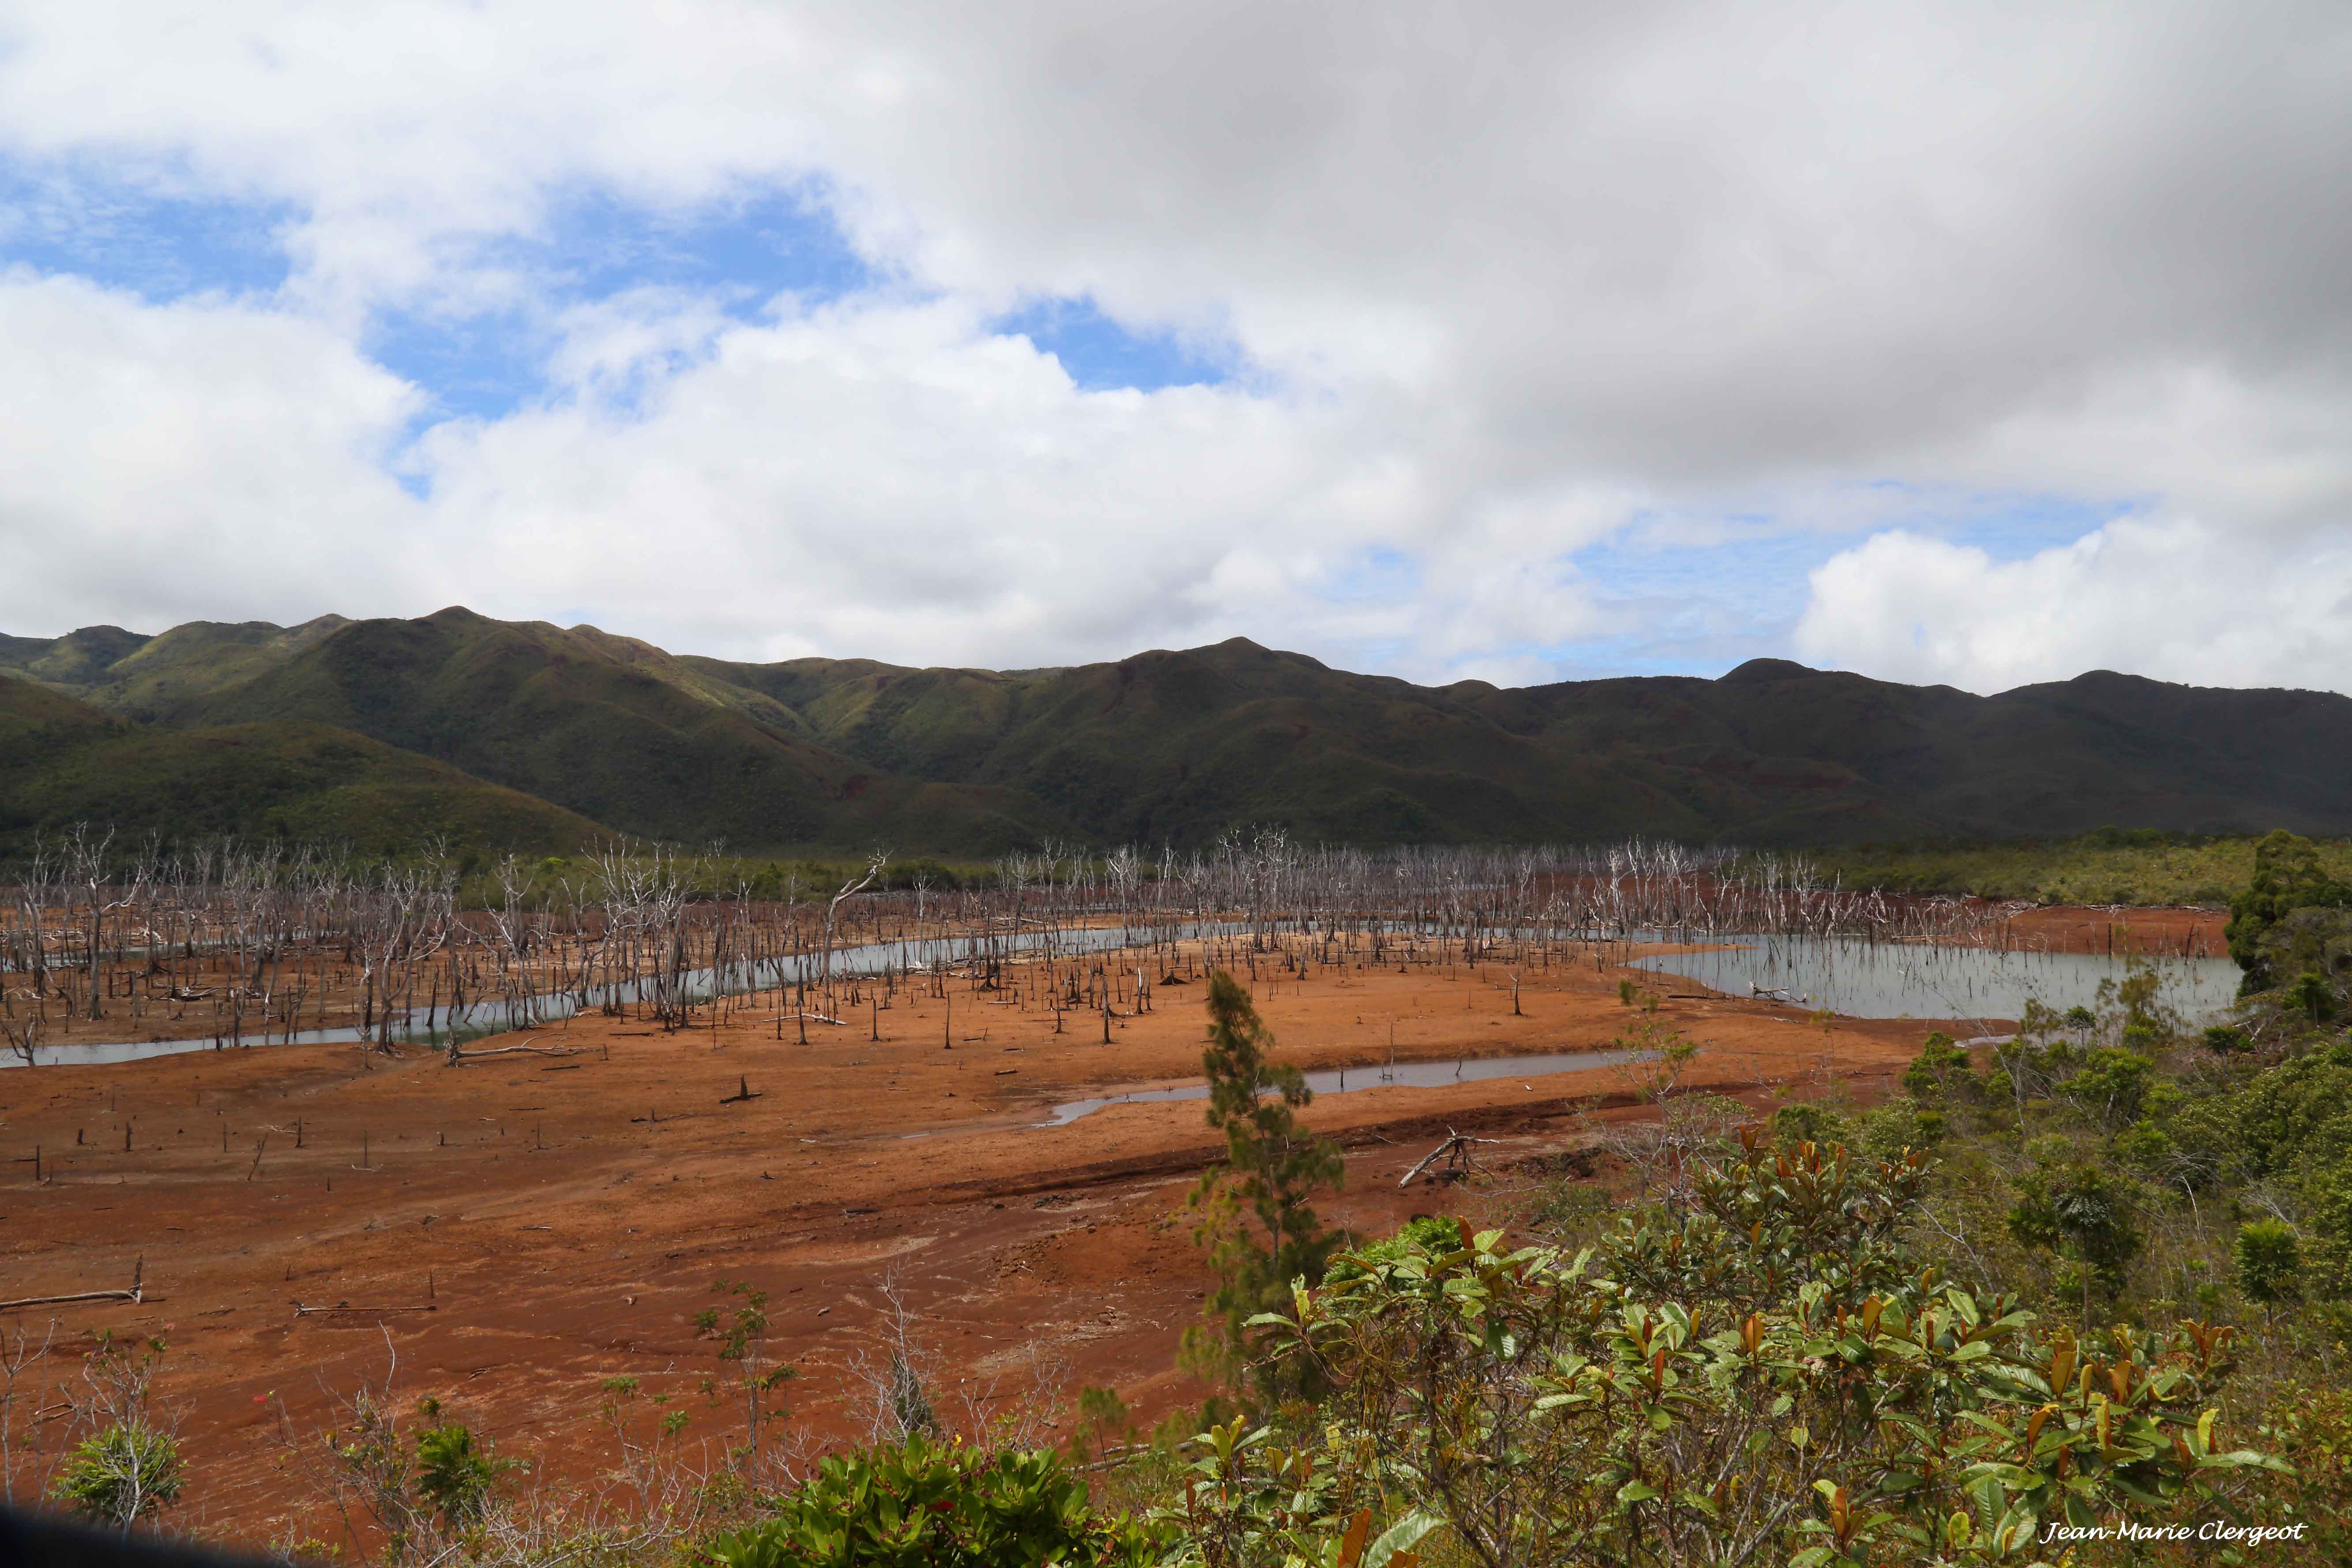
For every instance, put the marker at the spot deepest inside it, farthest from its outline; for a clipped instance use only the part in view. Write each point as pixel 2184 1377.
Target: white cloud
pixel 165 463
pixel 1504 275
pixel 892 479
pixel 2173 599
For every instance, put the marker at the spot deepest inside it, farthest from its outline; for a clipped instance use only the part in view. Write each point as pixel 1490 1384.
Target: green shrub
pixel 1767 1376
pixel 2330 1217
pixel 121 1473
pixel 1940 1064
pixel 1808 1121
pixel 1423 1231
pixel 2084 1215
pixel 2312 1433
pixel 2312 996
pixel 2269 1261
pixel 938 1505
pixel 2111 1086
pixel 1562 1207
pixel 1885 1131
pixel 455 1474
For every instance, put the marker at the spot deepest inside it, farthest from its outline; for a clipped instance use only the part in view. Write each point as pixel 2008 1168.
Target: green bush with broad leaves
pixel 926 1504
pixel 2312 1432
pixel 1422 1229
pixel 1249 1499
pixel 1766 1378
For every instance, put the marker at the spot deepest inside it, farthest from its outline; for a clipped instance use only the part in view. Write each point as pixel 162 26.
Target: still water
pixel 1845 974
pixel 1405 1075
pixel 498 1015
pixel 1901 980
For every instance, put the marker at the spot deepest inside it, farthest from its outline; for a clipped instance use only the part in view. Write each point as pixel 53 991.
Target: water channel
pixel 499 1014
pixel 1395 1074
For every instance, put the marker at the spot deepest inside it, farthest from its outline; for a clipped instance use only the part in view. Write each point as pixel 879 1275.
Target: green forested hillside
pixel 63 763
pixel 1179 746
pixel 148 677
pixel 554 714
pixel 1183 743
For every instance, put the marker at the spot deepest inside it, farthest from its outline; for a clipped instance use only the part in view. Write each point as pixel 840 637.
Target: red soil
pixel 560 1235
pixel 2176 934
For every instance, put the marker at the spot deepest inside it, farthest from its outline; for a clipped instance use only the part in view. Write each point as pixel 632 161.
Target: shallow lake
pixel 1901 980
pixel 1860 979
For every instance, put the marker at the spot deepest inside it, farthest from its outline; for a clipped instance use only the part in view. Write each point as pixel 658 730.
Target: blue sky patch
pixel 744 250
pixel 1099 354
pixel 129 233
pixel 738 254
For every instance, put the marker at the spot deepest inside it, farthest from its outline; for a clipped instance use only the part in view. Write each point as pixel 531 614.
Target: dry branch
pixel 134 1294
pixel 1454 1150
pixel 457 1057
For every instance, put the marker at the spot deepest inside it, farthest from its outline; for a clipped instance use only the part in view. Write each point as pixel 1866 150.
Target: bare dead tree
pixel 858 884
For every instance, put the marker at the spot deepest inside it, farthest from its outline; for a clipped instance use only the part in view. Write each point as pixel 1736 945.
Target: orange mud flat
pixel 519 1228
pixel 2157 933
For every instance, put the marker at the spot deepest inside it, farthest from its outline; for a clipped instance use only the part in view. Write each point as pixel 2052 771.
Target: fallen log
pixel 457 1057
pixel 135 1293
pixel 302 1311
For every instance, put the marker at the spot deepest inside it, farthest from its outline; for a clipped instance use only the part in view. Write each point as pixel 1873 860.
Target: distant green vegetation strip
pixel 2110 866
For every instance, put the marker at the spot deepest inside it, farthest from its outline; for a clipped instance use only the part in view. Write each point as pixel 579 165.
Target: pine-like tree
pixel 1255 1212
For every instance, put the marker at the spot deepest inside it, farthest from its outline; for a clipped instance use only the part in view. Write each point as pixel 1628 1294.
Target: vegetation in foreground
pixel 2096 1278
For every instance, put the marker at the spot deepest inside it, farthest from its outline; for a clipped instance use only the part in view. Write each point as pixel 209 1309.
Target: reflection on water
pixel 1405 1075
pixel 100 1055
pixel 1860 979
pixel 497 1015
pixel 1898 980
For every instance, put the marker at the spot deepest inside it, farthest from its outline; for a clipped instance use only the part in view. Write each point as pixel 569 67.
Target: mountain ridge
pixel 1182 744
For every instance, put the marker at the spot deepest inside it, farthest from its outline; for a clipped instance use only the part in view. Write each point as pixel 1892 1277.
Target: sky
pixel 1523 341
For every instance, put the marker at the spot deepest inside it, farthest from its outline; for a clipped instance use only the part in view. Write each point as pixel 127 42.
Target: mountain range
pixel 537 737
